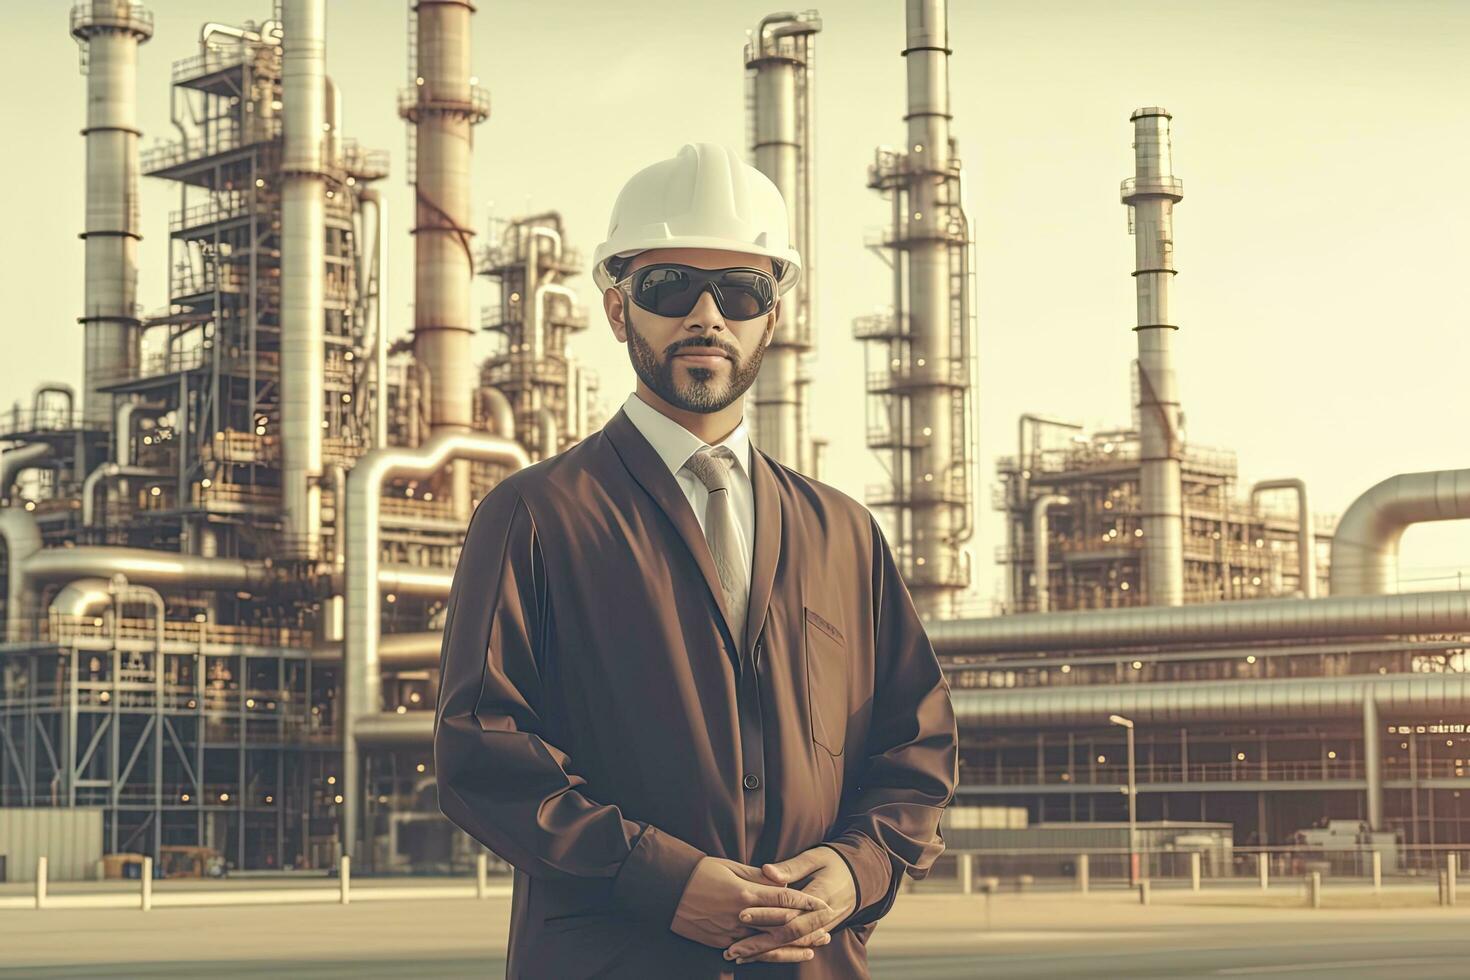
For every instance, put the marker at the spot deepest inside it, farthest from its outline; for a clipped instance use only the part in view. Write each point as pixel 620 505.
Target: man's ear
pixel 616 309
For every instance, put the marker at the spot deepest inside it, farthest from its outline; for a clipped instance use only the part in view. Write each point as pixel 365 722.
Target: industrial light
pixel 401 709
pixel 249 702
pixel 184 798
pixel 224 797
pixel 1066 668
pixel 337 799
pixel 104 697
pixel 1102 759
pixel 1240 756
pixel 1124 586
pixel 1137 664
pixel 1138 532
pixel 270 799
pixel 414 697
pixel 331 780
pixel 1332 755
pixel 420 767
pixel 206 483
pixel 1250 659
pixel 391 597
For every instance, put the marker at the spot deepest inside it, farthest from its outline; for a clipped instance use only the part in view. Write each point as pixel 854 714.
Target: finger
pixel 801 926
pixel 761 916
pixel 818 938
pixel 749 873
pixel 784 898
pixel 798 867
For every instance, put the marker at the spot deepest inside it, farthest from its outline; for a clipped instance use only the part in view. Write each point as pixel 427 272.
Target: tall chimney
pixel 779 63
pixel 303 270
pixel 919 414
pixel 1151 195
pixel 109 32
pixel 443 105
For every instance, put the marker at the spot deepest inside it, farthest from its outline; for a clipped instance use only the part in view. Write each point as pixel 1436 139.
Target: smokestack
pixel 921 382
pixel 1151 195
pixel 442 105
pixel 109 32
pixel 779 65
pixel 303 231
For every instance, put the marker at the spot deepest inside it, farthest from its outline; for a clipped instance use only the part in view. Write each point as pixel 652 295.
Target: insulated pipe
pixel 1373 760
pixel 361 677
pixel 111 30
pixel 122 428
pixel 1365 546
pixel 1306 548
pixel 1176 702
pixel 781 78
pixel 21 534
pixel 106 471
pixel 81 597
pixel 57 388
pixel 1151 195
pixel 396 651
pixel 496 409
pixel 1042 555
pixel 303 271
pixel 538 308
pixel 1214 622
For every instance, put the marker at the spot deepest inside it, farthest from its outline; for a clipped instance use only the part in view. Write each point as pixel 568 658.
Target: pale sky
pixel 1323 241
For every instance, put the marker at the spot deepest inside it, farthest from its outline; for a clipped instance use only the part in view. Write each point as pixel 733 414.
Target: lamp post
pixel 1132 803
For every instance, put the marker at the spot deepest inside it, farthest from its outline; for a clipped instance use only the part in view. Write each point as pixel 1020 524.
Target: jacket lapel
pixel 767 543
pixel 643 462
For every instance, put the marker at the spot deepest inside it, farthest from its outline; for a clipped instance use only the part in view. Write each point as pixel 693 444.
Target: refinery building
pixel 225 556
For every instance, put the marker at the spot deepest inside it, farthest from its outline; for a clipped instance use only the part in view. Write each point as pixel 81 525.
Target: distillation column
pixel 1151 195
pixel 779 63
pixel 110 32
pixel 303 271
pixel 920 409
pixel 443 105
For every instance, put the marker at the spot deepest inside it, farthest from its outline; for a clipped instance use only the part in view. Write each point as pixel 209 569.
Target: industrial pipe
pixel 496 410
pixel 1306 537
pixel 17 460
pixel 361 678
pixel 303 272
pixel 1214 622
pixel 105 471
pixel 21 534
pixel 1365 546
pixel 1042 555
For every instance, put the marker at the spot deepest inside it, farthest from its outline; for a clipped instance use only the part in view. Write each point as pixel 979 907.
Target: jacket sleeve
pixel 500 780
pixel 891 824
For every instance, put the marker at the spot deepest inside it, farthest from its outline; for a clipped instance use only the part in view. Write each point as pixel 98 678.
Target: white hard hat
pixel 706 197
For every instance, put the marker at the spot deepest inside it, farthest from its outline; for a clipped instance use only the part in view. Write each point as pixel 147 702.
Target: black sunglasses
pixel 670 289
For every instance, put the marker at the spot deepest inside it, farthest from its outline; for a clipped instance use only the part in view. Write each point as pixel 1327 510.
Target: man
pixel 683 689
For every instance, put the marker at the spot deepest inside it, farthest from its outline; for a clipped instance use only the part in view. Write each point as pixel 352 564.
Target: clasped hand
pixel 756 916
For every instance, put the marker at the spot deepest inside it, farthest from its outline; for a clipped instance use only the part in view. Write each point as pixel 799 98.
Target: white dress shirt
pixel 675 444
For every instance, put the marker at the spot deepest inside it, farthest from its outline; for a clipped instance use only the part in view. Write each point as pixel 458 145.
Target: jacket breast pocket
pixel 826 681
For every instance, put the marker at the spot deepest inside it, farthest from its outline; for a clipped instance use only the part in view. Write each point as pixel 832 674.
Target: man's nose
pixel 706 312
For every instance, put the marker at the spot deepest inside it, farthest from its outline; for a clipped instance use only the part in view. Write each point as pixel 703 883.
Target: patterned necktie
pixel 711 465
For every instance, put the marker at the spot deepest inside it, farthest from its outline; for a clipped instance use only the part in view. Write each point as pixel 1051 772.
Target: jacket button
pixel 752 781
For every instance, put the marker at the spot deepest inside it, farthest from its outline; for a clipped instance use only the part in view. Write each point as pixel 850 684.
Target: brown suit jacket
pixel 599 727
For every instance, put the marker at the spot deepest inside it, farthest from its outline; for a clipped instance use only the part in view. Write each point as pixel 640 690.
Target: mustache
pixel 701 347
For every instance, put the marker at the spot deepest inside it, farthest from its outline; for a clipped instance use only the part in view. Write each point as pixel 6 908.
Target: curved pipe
pixel 1365 546
pixel 1214 622
pixel 1040 544
pixel 15 461
pixel 60 388
pixel 122 428
pixel 496 409
pixel 106 471
pixel 82 597
pixel 21 534
pixel 361 674
pixel 1305 536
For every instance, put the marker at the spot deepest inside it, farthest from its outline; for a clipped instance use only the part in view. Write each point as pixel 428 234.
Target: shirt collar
pixel 674 443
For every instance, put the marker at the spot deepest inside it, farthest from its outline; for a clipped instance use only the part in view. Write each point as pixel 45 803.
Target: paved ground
pixel 936 937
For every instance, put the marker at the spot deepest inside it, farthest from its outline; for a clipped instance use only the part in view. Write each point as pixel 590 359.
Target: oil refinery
pixel 227 553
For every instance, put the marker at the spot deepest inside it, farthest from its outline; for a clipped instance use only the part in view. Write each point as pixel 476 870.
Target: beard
pixel 707 390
